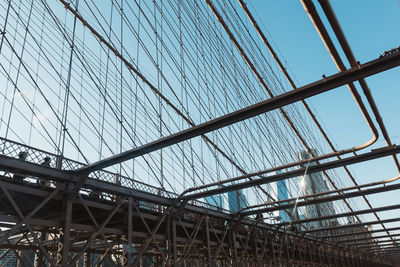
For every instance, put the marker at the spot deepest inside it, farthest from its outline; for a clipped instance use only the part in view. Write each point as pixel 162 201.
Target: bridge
pixel 172 133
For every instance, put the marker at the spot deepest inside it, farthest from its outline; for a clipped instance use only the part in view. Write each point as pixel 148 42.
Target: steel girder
pixel 345 214
pixel 323 199
pixel 15 165
pixel 374 154
pixel 198 238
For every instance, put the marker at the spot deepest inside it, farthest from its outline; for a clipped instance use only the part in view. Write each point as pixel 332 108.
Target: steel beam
pixel 352 225
pixel 318 87
pixel 374 154
pixel 318 200
pixel 151 237
pixel 383 248
pixel 376 243
pixel 120 231
pixel 365 238
pixel 129 235
pixel 12 165
pixel 330 236
pixel 334 216
pixel 67 231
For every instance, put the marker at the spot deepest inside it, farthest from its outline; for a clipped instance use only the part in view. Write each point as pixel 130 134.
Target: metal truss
pixel 127 226
pixel 131 226
pixel 64 228
pixel 81 217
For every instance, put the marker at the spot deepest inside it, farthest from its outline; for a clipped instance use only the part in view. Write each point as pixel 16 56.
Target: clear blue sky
pixel 370 27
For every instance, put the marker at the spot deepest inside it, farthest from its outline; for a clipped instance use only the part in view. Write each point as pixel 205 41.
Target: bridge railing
pixel 34 155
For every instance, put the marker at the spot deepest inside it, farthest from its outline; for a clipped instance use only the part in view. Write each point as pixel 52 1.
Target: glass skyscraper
pixel 237 200
pixel 287 214
pixel 282 195
pixel 215 202
pixel 314 183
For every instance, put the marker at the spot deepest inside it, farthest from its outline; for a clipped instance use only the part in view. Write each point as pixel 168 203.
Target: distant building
pixel 312 184
pixel 237 200
pixel 290 214
pixel 282 195
pixel 285 215
pixel 354 232
pixel 215 202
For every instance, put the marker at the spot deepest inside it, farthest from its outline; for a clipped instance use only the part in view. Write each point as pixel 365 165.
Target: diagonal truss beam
pixel 95 234
pixel 146 225
pixel 151 237
pixel 31 214
pixel 110 248
pixel 21 216
pixel 318 87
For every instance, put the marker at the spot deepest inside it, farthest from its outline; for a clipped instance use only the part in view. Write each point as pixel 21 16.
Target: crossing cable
pixel 262 82
pixel 37 76
pixel 329 178
pixel 310 9
pixel 154 173
pixel 144 79
pixel 309 111
pixel 64 114
pixel 217 158
pixel 249 40
pixel 3 33
pixel 74 97
pixel 18 71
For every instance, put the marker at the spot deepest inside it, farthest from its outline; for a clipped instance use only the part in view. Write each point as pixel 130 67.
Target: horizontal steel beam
pixel 318 200
pixel 374 154
pixel 326 84
pixel 366 238
pixel 352 213
pixel 13 165
pixel 387 247
pixel 330 236
pixel 386 250
pixel 325 229
pixel 376 243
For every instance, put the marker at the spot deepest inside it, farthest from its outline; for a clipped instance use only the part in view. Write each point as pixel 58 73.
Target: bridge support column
pixel 174 248
pixel 207 221
pixel 64 243
pixel 127 257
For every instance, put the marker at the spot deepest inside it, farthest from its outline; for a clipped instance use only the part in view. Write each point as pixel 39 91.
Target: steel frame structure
pixel 55 226
pixel 66 224
pixel 174 232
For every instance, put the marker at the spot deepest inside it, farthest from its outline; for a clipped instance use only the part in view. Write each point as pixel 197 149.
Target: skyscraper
pixel 312 184
pixel 282 195
pixel 215 202
pixel 237 200
pixel 285 215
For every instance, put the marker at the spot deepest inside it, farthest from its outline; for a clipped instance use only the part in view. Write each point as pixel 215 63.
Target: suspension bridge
pixel 174 133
